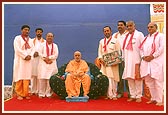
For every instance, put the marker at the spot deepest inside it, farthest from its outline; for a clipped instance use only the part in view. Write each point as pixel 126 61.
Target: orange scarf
pixel 34 41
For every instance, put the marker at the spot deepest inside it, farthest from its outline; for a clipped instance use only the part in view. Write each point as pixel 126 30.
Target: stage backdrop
pixel 76 26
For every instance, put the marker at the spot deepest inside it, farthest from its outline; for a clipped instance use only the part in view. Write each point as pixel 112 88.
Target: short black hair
pixel 39 29
pixel 122 22
pixel 25 26
pixel 106 26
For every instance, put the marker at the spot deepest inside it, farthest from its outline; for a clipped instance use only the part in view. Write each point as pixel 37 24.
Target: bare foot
pixel 27 97
pixel 114 98
pixel 138 100
pixel 159 104
pixel 130 99
pixel 86 96
pixel 20 98
pixel 69 96
pixel 151 101
pixel 40 97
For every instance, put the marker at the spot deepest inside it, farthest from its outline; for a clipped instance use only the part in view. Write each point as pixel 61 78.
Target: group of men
pixel 142 60
pixel 35 60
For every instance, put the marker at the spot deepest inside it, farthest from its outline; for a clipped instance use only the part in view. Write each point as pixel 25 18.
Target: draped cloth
pixel 72 82
pixel 112 45
pixel 22 68
pixel 27 46
pixel 45 71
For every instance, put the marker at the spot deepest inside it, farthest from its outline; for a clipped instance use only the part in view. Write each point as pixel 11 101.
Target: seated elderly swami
pixel 77 73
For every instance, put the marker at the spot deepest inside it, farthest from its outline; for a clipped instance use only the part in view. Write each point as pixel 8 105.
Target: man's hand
pixel 81 74
pixel 148 58
pixel 101 61
pixel 47 60
pixel 35 54
pixel 28 57
pixel 137 72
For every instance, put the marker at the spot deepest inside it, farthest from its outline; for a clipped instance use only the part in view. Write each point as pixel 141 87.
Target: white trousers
pixel 135 88
pixel 44 88
pixel 34 84
pixel 155 88
pixel 112 89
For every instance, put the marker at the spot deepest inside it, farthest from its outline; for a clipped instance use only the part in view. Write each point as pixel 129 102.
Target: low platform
pixel 77 99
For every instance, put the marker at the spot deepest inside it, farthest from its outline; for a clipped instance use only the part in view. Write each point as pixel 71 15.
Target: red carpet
pixel 100 104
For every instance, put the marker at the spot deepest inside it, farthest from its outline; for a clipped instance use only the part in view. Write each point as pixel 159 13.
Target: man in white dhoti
pixel 47 66
pixel 132 60
pixel 108 45
pixel 120 35
pixel 37 41
pixel 152 53
pixel 23 49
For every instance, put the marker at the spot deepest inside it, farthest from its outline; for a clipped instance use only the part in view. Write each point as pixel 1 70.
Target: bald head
pixel 153 24
pixel 49 38
pixel 77 56
pixel 130 26
pixel 77 52
pixel 152 27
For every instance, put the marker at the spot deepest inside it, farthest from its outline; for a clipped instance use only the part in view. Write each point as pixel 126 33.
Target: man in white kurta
pixel 23 51
pixel 108 45
pixel 132 60
pixel 37 41
pixel 47 66
pixel 120 35
pixel 152 53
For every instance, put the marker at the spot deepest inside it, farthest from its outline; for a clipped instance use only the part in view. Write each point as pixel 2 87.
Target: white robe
pixel 120 37
pixel 112 72
pixel 22 68
pixel 155 66
pixel 153 71
pixel 132 57
pixel 45 71
pixel 35 61
pixel 112 46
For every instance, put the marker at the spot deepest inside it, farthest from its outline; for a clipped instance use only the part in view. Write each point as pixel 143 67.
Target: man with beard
pixel 108 45
pixel 120 35
pixel 37 41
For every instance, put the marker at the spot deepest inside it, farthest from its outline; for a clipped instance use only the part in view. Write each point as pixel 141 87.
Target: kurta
pixel 132 57
pixel 45 71
pixel 37 43
pixel 155 66
pixel 34 81
pixel 73 83
pixel 120 37
pixel 153 71
pixel 22 69
pixel 113 45
pixel 120 87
